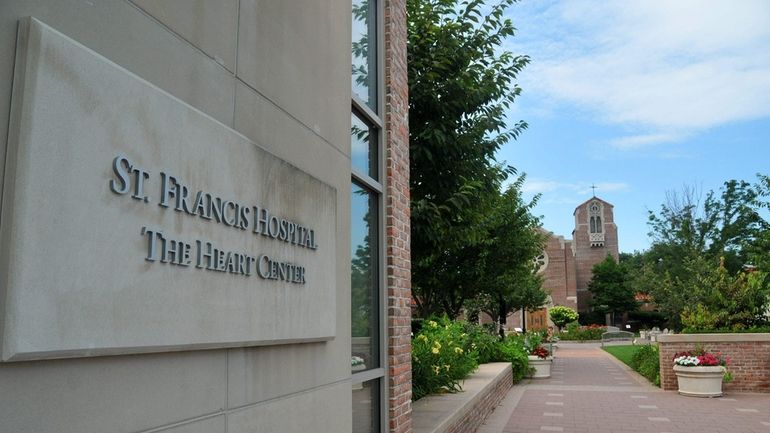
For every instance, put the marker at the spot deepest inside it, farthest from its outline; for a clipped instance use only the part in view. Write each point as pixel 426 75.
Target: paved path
pixel 592 392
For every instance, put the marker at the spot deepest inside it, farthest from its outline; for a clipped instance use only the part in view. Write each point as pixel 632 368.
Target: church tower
pixel 595 236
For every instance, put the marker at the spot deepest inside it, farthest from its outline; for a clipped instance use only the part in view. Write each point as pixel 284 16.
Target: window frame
pixel 362 110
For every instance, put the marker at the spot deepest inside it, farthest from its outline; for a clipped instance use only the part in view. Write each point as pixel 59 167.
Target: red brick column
pixel 399 286
pixel 749 355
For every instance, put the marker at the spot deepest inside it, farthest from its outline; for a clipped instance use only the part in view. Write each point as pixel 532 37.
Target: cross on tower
pixel 593 188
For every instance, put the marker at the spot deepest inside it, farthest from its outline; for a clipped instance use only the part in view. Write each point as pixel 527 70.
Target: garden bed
pixel 464 411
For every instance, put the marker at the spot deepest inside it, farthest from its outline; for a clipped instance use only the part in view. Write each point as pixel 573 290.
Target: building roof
pixel 592 199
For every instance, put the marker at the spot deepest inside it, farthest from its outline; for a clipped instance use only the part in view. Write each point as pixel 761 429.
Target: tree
pixel 610 289
pixel 460 83
pixel 561 315
pixel 510 274
pixel 690 239
pixel 724 226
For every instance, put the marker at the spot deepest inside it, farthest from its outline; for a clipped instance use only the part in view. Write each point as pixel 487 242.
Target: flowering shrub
pixel 701 358
pixel 561 315
pixel 483 341
pixel 441 357
pixel 540 352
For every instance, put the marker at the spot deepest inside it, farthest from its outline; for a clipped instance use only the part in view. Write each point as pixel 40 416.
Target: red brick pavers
pixel 591 392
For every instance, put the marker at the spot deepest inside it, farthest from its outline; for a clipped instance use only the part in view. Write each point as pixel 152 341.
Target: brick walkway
pixel 591 392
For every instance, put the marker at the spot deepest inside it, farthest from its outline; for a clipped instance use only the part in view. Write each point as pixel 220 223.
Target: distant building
pixel 566 264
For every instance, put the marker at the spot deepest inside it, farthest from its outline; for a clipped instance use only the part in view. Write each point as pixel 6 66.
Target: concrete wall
pixel 277 72
pixel 749 358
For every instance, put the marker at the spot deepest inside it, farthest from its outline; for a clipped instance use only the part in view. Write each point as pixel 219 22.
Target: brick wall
pixel 397 219
pixel 473 419
pixel 749 354
pixel 587 256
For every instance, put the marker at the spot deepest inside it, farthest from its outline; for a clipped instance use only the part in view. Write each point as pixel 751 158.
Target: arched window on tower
pixel 596 237
pixel 596 224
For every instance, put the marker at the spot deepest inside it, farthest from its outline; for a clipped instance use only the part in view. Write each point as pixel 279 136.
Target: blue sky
pixel 639 98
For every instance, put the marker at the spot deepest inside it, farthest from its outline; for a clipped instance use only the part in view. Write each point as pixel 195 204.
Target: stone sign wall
pixel 132 222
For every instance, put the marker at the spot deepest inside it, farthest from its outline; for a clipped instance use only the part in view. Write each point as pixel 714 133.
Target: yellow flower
pixel 447 367
pixel 435 350
pixel 458 350
pixel 422 337
pixel 436 369
pixel 432 324
pixel 437 345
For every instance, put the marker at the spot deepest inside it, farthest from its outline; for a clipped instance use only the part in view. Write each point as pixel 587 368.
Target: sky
pixel 639 98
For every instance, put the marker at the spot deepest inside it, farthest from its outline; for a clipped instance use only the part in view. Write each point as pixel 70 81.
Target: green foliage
pixel 561 315
pixel 721 300
pixel 690 238
pixel 506 274
pixel 610 289
pixel 444 352
pixel 460 84
pixel 765 329
pixel 482 341
pixel 440 359
pixel 646 361
pixel 511 349
pixel 492 348
pixel 575 332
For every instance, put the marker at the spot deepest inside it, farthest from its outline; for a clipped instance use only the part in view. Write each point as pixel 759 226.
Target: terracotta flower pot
pixel 699 381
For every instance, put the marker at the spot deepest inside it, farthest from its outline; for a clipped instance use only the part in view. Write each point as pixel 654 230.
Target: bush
pixel 487 344
pixel 561 315
pixel 646 361
pixel 512 350
pixel 751 330
pixel 574 332
pixel 440 359
pixel 483 341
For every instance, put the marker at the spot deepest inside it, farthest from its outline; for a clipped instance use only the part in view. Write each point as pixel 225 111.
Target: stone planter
pixel 700 381
pixel 542 367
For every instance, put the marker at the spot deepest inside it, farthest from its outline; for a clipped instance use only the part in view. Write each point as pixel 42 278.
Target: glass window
pixel 364 66
pixel 366 403
pixel 364 280
pixel 363 140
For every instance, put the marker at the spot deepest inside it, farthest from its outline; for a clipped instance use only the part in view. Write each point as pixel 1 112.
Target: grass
pixel 623 353
pixel 643 359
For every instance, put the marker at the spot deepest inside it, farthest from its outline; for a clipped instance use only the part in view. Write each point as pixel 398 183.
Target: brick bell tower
pixel 595 236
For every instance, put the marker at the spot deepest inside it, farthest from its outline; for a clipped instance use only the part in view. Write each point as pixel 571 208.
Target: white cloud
pixel 665 69
pixel 644 140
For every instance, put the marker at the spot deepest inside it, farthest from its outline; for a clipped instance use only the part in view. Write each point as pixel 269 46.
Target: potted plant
pixel 700 373
pixel 540 360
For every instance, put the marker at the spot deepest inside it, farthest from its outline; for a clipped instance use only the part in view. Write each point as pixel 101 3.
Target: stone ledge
pixel 711 338
pixel 440 413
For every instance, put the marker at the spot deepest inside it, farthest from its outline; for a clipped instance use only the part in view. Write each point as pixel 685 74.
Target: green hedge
pixel 646 361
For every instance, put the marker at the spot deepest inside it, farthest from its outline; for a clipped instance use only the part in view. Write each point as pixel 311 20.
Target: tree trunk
pixel 502 313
